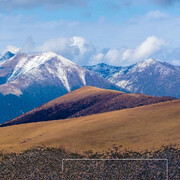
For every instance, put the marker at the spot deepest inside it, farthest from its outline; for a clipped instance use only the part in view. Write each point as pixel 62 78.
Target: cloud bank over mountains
pixel 88 32
pixel 146 49
pixel 83 52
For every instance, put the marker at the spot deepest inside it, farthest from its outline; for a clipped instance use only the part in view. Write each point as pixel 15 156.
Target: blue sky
pixel 117 32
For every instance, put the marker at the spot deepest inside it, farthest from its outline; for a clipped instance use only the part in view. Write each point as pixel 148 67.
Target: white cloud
pixel 59 44
pixel 128 34
pixel 127 54
pixel 76 48
pixel 176 62
pixel 157 14
pixel 82 52
pixel 86 50
pixel 148 48
pixel 80 43
pixel 29 45
pixel 97 58
pixel 113 56
pixel 10 48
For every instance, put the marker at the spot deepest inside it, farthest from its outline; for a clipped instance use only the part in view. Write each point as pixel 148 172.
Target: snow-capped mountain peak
pixel 148 77
pixel 8 55
pixel 142 65
pixel 33 79
pixel 47 69
pixel 29 63
pixel 147 62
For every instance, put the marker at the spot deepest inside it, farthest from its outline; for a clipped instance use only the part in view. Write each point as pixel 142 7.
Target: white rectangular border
pixel 167 167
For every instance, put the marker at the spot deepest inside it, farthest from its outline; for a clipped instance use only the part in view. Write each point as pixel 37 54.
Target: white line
pixel 167 169
pixel 114 159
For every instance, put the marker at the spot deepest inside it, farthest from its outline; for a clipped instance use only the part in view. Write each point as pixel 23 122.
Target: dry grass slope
pixel 148 127
pixel 85 101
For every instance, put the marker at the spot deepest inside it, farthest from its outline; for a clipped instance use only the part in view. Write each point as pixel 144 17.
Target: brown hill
pixel 139 128
pixel 85 101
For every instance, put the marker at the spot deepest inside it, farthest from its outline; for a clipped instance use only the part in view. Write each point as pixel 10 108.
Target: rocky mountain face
pixel 6 56
pixel 148 77
pixel 5 69
pixel 104 70
pixel 28 81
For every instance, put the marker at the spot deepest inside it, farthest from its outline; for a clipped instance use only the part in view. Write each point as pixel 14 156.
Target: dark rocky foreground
pixel 46 163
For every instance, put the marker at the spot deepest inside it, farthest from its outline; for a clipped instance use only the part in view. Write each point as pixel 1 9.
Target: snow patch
pixel 123 83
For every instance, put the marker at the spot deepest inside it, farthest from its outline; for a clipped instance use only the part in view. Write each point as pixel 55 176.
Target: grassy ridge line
pixel 85 101
pixel 148 127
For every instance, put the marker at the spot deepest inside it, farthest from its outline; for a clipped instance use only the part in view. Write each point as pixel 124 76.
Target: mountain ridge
pixel 7 56
pixel 85 101
pixel 28 81
pixel 142 128
pixel 104 70
pixel 148 77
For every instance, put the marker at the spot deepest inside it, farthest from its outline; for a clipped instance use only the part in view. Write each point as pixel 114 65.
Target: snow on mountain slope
pixel 149 77
pixel 49 69
pixel 37 67
pixel 32 80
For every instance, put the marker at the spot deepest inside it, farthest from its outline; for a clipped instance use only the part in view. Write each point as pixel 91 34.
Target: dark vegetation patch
pixel 46 163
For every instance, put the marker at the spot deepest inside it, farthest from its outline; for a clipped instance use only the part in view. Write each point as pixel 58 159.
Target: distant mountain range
pixel 104 70
pixel 28 81
pixel 85 101
pixel 148 77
